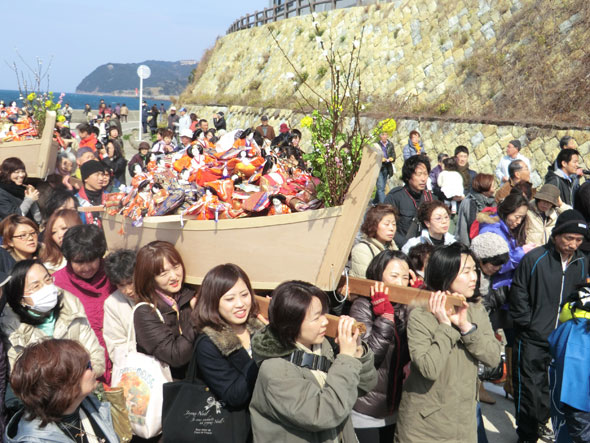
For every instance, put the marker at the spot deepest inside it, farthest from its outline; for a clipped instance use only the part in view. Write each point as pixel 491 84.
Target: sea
pixel 77 101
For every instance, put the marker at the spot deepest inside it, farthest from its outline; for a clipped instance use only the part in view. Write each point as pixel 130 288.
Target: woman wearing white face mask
pixel 37 309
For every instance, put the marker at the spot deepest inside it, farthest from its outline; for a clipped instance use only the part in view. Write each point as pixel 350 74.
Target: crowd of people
pixel 512 254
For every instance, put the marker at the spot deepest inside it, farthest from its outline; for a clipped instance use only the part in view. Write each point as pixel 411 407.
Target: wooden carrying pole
pixel 360 286
pixel 397 294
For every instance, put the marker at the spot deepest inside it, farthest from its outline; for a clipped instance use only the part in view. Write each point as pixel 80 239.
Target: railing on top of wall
pixel 293 8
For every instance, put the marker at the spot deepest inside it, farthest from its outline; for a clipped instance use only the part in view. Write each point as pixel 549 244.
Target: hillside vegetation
pixel 507 59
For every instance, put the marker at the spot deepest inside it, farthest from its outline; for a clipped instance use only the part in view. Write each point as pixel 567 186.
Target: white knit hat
pixel 488 245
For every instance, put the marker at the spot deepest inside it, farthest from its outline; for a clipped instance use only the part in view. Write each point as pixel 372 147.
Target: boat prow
pixel 38 155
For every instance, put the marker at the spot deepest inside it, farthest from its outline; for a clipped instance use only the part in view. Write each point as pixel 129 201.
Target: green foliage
pixel 322 71
pixel 443 108
pixel 334 163
pixel 38 104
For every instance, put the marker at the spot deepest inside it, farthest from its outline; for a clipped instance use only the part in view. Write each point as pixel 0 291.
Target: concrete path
pixel 499 418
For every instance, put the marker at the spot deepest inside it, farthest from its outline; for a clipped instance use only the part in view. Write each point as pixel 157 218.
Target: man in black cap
pixel 265 129
pixel 95 177
pixel 543 280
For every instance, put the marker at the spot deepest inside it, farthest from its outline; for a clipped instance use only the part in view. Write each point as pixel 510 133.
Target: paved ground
pixel 499 418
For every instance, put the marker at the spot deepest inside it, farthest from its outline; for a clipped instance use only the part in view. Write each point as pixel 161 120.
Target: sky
pixel 78 36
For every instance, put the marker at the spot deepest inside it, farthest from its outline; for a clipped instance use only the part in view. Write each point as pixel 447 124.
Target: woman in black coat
pixel 165 331
pixel 226 318
pixel 115 161
pixel 374 414
pixel 16 197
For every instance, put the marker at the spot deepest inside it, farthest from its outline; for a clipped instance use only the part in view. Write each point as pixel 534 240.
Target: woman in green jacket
pixel 312 404
pixel 439 398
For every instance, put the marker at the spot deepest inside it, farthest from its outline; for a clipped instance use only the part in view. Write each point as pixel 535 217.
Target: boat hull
pixel 312 246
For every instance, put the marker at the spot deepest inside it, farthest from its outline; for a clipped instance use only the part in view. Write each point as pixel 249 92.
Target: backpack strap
pixel 310 361
pixel 369 246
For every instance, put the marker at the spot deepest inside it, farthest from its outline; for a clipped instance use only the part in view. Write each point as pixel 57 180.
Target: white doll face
pixel 137 169
pixel 276 202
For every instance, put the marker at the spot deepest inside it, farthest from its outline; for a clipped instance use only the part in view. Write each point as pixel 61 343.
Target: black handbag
pixel 191 412
pixel 486 373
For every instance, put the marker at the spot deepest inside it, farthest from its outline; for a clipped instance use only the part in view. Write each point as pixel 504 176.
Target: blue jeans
pixel 381 182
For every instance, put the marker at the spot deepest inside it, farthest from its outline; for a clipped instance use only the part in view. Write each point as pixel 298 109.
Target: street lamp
pixel 143 72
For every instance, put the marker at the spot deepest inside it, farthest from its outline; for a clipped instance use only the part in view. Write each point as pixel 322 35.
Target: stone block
pixel 584 149
pixel 476 139
pixel 490 140
pixel 488 30
pixel 488 130
pixel 480 152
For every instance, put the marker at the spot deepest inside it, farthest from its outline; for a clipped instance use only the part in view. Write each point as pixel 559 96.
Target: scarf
pixel 320 376
pixel 417 147
pixel 13 189
pixel 92 294
pixel 172 303
pixel 481 201
pixel 464 171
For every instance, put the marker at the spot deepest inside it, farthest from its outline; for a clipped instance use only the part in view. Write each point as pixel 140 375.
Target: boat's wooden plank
pixel 353 211
pixel 397 294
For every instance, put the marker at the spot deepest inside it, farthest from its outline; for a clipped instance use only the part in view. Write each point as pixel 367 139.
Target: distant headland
pixel 120 79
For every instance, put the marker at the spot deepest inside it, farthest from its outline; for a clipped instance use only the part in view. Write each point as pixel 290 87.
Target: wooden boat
pixel 38 155
pixel 312 246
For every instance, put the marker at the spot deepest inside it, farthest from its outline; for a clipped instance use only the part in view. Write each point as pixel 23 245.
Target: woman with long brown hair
pixel 163 327
pixel 57 226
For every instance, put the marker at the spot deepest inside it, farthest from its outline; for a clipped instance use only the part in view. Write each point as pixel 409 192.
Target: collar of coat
pixel 266 345
pixel 226 340
pixel 20 333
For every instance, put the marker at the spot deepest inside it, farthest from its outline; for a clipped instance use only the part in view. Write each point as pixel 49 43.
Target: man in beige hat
pixel 542 214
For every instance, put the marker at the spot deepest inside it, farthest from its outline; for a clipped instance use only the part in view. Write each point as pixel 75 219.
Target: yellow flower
pixel 306 122
pixel 58 106
pixel 48 103
pixel 31 96
pixel 61 118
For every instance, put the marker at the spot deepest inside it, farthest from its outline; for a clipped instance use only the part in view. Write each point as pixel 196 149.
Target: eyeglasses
pixel 47 280
pixel 89 365
pixel 26 236
pixel 441 219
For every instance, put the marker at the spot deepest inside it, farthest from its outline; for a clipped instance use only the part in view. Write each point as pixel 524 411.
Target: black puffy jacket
pixel 389 343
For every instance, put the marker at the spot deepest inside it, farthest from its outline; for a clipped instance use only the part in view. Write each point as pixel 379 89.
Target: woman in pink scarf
pixel 83 247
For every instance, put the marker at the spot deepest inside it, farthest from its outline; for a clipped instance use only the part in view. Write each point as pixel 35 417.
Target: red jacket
pixel 89 142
